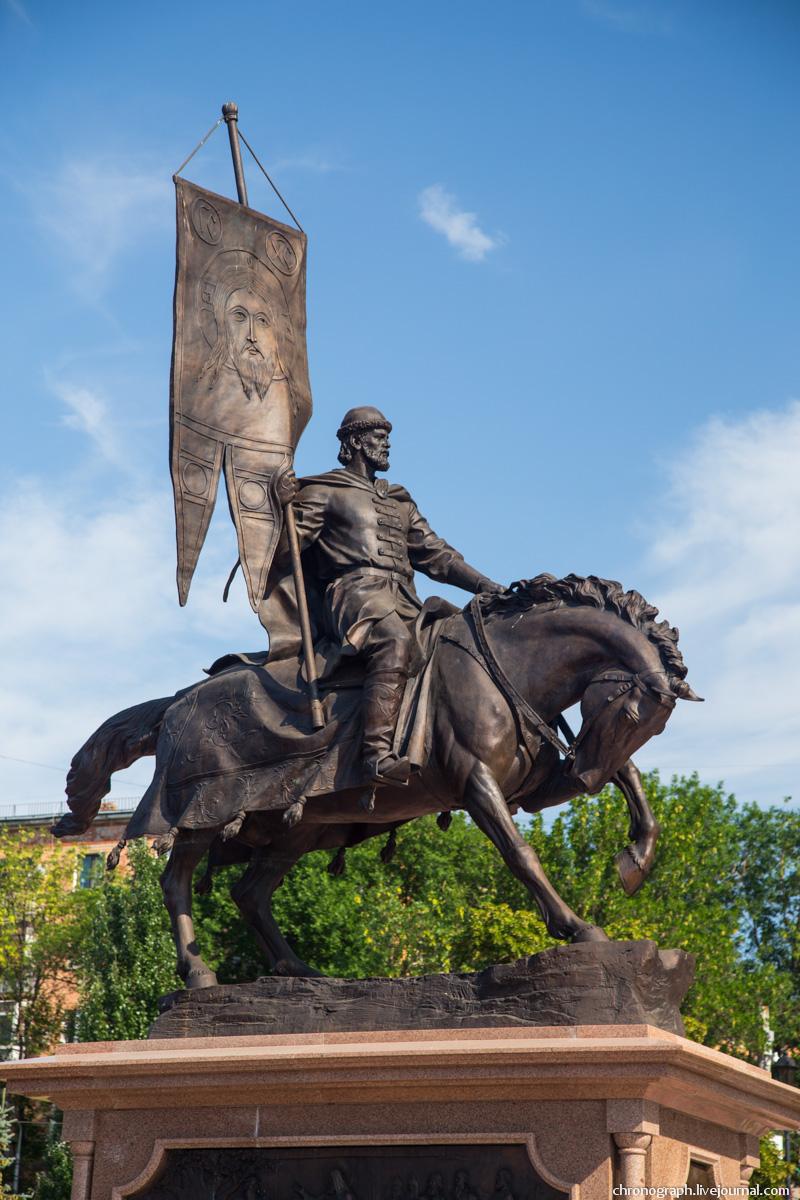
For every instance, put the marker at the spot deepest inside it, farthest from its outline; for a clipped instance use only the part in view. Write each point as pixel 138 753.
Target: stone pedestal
pixel 466 1114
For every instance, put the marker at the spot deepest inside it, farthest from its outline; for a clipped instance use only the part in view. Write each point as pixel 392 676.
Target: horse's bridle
pixel 631 679
pixel 526 716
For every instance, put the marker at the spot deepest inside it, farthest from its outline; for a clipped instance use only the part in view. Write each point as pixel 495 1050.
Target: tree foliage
pixel 695 899
pixel 770 891
pixel 123 956
pixel 37 909
pixel 446 902
pixel 54 1181
pixel 7 1133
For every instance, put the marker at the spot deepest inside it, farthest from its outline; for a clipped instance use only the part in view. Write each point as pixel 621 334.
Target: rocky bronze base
pixel 594 983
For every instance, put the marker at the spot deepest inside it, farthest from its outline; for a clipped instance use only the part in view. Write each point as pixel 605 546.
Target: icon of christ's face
pixel 248 325
pixel 250 336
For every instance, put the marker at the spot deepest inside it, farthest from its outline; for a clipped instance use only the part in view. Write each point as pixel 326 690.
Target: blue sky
pixel 556 241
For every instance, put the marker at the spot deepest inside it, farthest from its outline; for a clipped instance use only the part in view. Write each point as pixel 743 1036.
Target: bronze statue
pixel 415 708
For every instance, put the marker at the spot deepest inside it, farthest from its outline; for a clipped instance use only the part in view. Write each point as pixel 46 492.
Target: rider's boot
pixel 383 694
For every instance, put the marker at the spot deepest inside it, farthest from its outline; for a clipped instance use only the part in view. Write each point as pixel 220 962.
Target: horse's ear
pixel 684 692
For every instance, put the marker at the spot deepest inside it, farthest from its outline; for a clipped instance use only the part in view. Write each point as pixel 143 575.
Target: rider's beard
pixel 378 461
pixel 256 373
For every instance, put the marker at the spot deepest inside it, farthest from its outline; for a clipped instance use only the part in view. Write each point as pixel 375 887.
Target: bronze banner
pixel 240 396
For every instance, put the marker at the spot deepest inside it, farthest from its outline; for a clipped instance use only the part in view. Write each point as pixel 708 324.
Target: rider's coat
pixel 362 542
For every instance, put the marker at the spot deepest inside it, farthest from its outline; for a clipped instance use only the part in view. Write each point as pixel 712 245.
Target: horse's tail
pixel 118 742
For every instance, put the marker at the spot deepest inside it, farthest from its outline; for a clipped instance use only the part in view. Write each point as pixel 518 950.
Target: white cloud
pixel 94 210
pixel 87 412
pixel 92 624
pixel 725 558
pixel 439 209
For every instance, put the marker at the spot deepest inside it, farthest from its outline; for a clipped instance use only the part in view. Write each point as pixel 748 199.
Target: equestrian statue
pixel 369 707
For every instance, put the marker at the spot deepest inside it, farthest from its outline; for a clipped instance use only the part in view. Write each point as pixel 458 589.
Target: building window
pixel 90 870
pixel 7 1049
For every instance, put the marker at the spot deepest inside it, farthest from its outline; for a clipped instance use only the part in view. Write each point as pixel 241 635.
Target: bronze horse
pixel 502 676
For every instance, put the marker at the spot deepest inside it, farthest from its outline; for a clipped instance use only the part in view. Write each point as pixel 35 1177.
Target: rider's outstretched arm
pixel 437 559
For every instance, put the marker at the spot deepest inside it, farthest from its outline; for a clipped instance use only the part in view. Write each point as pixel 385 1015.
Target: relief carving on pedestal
pixel 346 1173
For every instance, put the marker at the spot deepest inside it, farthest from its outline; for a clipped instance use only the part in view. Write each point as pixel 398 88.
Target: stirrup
pixel 389 770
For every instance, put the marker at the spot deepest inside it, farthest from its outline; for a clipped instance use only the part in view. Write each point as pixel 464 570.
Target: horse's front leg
pixel 486 804
pixel 634 862
pixel 176 884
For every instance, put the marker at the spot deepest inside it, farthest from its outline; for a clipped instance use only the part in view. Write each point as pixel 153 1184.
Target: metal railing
pixel 34 810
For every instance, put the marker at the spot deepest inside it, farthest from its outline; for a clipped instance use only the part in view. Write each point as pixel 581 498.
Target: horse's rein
pixel 525 715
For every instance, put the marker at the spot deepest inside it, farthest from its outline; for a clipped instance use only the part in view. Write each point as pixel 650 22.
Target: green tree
pixel 7 1139
pixel 54 1181
pixel 123 956
pixel 37 907
pixel 426 910
pixel 772 1170
pixel 694 900
pixel 447 902
pixel 770 890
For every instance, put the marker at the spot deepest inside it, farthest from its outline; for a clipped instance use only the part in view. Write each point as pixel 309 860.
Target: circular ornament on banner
pixel 252 494
pixel 195 478
pixel 281 253
pixel 206 221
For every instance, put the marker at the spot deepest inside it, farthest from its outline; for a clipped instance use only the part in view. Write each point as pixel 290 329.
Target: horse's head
pixel 590 640
pixel 621 711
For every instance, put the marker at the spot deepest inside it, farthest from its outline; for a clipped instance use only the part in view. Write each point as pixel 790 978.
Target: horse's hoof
pixel 631 874
pixel 589 933
pixel 200 977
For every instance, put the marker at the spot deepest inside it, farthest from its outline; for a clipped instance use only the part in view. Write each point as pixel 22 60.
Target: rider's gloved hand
pixel 489 587
pixel 287 487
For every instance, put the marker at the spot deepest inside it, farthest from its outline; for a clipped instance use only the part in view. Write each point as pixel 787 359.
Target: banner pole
pixel 230 112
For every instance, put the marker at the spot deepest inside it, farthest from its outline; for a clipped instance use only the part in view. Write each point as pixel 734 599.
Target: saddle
pixel 242 740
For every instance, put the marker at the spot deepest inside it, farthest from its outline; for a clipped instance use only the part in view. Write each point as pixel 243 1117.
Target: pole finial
pixel 230 112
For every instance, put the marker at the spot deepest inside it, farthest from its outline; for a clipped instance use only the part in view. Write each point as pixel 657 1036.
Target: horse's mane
pixel 575 591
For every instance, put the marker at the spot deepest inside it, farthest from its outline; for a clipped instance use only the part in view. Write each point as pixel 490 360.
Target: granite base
pixel 483 1114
